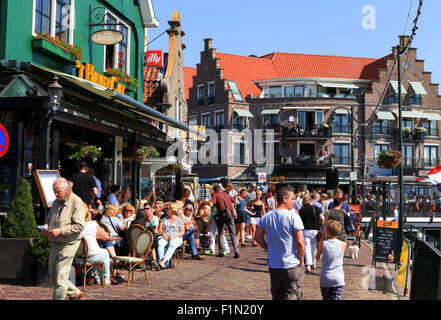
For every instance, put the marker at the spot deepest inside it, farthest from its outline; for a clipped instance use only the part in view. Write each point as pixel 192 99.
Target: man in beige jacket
pixel 64 222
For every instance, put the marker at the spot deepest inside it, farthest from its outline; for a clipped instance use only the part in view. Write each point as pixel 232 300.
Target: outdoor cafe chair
pixel 141 249
pixel 132 233
pixel 81 261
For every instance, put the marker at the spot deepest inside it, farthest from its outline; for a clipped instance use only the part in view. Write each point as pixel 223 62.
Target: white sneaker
pixel 250 237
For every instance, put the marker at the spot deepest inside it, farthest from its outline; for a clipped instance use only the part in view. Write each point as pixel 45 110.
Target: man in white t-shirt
pixel 285 245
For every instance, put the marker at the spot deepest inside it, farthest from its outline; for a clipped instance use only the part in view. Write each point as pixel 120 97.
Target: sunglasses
pixel 147 208
pixel 187 209
pixel 127 210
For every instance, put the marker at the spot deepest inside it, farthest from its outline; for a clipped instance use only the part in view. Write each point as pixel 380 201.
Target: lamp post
pixel 55 94
pixel 352 191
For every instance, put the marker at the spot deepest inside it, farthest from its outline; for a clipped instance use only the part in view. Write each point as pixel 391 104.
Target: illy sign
pixel 154 58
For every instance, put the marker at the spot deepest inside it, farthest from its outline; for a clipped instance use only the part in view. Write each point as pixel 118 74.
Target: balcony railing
pixel 418 163
pixel 310 132
pixel 306 162
pixel 200 102
pixel 309 95
pixel 211 100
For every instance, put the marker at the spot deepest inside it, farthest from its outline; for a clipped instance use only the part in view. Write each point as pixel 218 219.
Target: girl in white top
pixel 95 253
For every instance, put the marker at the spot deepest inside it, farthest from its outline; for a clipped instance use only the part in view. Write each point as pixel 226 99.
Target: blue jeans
pixel 102 256
pixel 189 236
pixel 167 248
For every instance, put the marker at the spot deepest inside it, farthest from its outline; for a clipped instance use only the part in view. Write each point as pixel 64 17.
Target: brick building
pixel 300 96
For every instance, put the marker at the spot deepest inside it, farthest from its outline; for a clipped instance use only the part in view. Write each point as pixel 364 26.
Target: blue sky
pixel 335 27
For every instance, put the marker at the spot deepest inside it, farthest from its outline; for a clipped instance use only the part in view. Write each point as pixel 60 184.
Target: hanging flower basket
pixel 80 151
pixel 144 152
pixel 389 159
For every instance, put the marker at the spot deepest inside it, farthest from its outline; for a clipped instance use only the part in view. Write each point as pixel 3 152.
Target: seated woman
pixel 190 228
pixel 114 224
pixel 204 216
pixel 95 253
pixel 171 231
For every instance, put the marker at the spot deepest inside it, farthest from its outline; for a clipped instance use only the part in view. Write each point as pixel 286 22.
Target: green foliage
pixel 20 221
pixel 81 151
pixel 40 249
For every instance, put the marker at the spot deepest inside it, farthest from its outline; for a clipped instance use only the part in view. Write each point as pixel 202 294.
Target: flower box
pixel 52 50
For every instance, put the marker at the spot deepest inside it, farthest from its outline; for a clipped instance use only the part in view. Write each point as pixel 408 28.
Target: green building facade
pixel 102 97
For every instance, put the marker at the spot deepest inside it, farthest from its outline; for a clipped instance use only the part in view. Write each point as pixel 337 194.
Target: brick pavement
pixel 216 278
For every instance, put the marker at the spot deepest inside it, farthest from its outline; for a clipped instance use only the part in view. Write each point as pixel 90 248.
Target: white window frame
pixel 246 154
pixel 211 83
pixel 116 46
pixel 215 117
pixel 202 119
pixel 53 18
pixel 198 95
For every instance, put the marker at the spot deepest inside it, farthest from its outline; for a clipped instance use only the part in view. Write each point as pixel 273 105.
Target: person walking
pixel 311 218
pixel 84 185
pixel 242 215
pixel 64 224
pixel 285 244
pixel 257 210
pixel 222 201
pixel 332 279
pixel 338 214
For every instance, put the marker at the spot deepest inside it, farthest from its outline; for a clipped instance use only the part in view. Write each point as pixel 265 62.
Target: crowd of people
pixel 271 219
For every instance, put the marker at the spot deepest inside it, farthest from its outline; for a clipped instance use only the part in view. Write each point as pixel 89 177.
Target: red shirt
pixel 220 198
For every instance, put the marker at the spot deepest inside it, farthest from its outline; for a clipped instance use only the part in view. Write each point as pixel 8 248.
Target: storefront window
pixel 31 148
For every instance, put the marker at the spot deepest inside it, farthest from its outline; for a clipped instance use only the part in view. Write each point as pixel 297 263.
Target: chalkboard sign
pixel 386 237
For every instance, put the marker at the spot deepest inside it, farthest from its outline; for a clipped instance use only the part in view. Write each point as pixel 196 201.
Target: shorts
pixel 287 284
pixel 107 244
pixel 240 219
pixel 254 220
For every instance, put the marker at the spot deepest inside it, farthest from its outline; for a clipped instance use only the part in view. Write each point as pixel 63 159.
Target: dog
pixel 353 250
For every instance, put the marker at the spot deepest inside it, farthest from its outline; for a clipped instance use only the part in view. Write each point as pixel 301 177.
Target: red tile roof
pixel 243 70
pixel 188 80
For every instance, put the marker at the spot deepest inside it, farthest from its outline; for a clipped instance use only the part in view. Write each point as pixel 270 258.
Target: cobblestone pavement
pixel 225 278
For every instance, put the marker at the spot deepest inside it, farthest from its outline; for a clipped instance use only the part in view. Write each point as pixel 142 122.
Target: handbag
pixel 349 226
pixel 223 216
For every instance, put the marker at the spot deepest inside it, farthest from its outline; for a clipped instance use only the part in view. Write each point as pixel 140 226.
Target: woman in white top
pixel 95 253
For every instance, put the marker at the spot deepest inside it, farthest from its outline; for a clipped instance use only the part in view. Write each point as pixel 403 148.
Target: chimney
pixel 207 44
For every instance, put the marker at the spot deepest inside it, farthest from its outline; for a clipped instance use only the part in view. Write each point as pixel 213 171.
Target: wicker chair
pixel 141 249
pixel 132 233
pixel 81 260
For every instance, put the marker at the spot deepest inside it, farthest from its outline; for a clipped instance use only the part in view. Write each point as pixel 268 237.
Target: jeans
pixel 167 248
pixel 102 256
pixel 310 246
pixel 232 230
pixel 212 245
pixel 189 236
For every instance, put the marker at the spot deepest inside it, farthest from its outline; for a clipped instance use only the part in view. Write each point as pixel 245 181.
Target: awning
pixel 432 116
pixel 243 113
pixel 341 111
pixel 385 115
pixel 337 85
pixel 418 88
pixel 394 85
pixel 131 104
pixel 410 114
pixel 270 111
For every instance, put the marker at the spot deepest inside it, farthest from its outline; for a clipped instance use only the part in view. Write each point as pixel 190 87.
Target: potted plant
pixel 389 159
pixel 23 248
pixel 80 151
pixel 129 81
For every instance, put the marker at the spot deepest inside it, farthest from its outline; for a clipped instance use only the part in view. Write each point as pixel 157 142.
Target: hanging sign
pixel 107 37
pixel 154 58
pixel 4 141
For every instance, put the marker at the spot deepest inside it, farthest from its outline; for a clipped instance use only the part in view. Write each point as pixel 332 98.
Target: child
pixel 332 278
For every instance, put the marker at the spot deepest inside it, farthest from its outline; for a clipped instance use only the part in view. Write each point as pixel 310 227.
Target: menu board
pixel 386 237
pixel 45 179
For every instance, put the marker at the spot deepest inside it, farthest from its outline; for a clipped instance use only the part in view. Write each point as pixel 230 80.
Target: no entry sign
pixel 4 141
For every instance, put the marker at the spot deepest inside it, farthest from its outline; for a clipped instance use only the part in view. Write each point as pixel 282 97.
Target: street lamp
pixel 55 94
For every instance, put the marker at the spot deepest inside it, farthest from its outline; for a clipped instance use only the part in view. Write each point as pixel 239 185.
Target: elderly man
pixel 64 223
